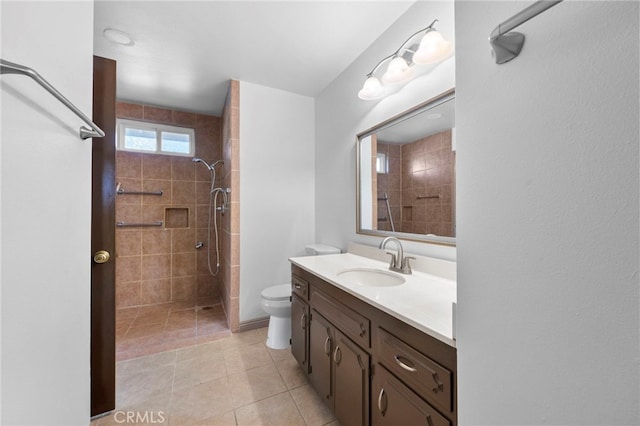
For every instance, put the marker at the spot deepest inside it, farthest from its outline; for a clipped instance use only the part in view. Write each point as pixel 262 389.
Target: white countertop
pixel 424 301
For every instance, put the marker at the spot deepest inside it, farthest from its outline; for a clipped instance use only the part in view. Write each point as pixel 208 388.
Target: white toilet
pixel 276 301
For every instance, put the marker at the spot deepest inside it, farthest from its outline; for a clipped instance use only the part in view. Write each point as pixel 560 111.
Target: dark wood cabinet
pixel 320 348
pixel 300 331
pixel 396 404
pixel 370 367
pixel 351 374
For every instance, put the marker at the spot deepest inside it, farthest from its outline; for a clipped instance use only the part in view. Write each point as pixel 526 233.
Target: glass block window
pixel 153 138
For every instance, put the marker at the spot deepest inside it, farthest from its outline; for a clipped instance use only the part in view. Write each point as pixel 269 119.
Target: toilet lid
pixel 277 292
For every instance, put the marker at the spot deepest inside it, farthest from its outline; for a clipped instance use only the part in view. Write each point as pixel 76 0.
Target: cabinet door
pixel 320 347
pixel 351 382
pixel 396 404
pixel 299 332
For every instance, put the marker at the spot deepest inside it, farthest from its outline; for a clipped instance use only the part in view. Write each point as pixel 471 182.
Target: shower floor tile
pixel 149 330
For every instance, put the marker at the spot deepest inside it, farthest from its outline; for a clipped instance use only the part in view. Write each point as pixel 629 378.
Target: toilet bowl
pixel 276 301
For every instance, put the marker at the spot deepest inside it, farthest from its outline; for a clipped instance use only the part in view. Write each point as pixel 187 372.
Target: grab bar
pixel 422 197
pixel 506 45
pixel 7 67
pixel 121 224
pixel 123 192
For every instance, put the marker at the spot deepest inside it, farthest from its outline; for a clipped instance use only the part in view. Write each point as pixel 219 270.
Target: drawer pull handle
pixel 327 346
pixel 363 330
pixel 381 408
pixel 303 321
pixel 404 363
pixel 297 286
pixel 337 355
pixel 439 385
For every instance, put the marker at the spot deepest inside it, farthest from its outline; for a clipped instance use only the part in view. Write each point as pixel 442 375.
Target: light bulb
pixel 433 48
pixel 397 71
pixel 371 89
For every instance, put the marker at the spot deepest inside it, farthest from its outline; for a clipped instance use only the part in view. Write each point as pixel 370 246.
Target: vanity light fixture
pixel 433 48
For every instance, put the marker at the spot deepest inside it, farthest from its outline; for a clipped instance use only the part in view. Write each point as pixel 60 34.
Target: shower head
pixel 200 160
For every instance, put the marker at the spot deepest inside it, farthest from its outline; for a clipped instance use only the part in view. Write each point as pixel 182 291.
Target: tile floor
pixel 148 330
pixel 235 380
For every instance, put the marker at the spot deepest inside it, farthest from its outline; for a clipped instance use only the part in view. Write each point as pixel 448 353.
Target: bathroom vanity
pixel 378 353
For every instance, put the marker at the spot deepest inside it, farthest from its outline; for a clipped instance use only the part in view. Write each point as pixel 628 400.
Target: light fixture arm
pixel 402 46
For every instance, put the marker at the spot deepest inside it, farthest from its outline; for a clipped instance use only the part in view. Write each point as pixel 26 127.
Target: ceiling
pixel 185 53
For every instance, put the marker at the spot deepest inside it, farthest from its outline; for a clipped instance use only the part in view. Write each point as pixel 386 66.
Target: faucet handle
pixel 392 264
pixel 406 265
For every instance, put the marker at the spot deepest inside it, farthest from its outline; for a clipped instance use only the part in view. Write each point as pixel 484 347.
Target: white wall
pixel 340 115
pixel 548 315
pixel 276 189
pixel 46 212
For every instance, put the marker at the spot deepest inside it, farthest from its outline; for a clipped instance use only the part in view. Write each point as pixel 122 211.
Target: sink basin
pixel 372 277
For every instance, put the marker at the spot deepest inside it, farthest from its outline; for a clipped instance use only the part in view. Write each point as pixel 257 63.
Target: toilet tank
pixel 320 249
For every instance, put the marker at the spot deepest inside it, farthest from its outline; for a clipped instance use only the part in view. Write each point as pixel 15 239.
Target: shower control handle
pixel 101 256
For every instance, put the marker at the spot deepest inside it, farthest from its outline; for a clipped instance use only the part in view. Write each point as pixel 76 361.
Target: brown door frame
pixel 103 291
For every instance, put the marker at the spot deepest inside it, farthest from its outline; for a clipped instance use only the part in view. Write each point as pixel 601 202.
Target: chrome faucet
pixel 398 263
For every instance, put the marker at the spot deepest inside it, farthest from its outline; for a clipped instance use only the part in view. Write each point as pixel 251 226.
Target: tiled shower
pixel 419 185
pixel 159 270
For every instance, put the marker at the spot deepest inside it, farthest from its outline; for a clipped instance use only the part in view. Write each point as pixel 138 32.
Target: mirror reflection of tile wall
pixel 419 185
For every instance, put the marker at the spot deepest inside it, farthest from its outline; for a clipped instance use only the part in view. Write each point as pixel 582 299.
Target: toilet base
pixel 279 333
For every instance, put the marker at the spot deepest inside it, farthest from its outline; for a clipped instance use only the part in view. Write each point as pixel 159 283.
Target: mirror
pixel 406 174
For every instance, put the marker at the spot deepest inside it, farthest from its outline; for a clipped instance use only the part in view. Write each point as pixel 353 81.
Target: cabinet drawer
pixel 395 404
pixel 427 378
pixel 350 322
pixel 300 287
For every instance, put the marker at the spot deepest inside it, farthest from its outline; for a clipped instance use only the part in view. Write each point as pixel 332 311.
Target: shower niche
pixel 176 217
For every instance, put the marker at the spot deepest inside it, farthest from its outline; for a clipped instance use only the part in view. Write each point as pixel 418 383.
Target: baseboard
pixel 253 324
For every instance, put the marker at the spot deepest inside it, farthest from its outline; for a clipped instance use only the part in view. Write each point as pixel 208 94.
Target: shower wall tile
pixel 152 213
pixel 183 192
pixel 158 115
pixel 183 240
pixel 131 213
pixel 129 243
pixel 156 266
pixel 156 241
pixel 131 111
pixel 155 291
pixel 155 185
pixel 128 269
pixel 156 166
pixel 183 288
pixel 203 190
pixel 183 264
pixel 183 168
pixel 204 287
pixel 128 294
pixel 128 165
pixel 187 119
pixel 202 264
